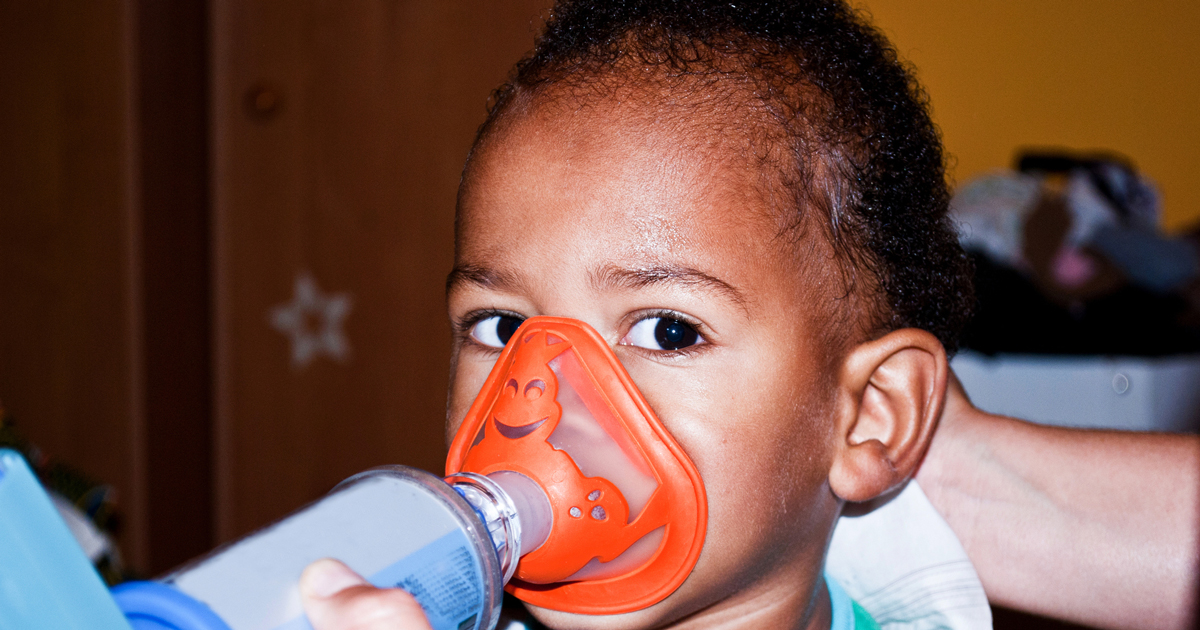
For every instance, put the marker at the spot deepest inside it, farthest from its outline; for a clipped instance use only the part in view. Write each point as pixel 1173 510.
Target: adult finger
pixel 336 598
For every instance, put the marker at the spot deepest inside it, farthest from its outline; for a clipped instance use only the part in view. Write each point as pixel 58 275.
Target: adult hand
pixel 1100 528
pixel 336 598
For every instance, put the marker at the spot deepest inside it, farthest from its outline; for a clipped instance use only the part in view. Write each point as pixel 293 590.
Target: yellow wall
pixel 1112 74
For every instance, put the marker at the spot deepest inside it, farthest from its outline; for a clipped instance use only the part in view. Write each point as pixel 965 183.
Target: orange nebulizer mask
pixel 629 509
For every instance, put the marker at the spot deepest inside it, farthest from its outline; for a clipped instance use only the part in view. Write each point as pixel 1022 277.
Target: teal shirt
pixel 847 614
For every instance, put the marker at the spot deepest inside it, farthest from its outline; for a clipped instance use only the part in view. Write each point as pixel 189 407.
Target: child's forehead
pixel 638 132
pixel 729 115
pixel 673 129
pixel 641 164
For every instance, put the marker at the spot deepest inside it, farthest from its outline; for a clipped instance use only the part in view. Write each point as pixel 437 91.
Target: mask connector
pixel 513 508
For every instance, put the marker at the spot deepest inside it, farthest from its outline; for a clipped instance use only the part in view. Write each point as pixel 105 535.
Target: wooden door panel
pixel 69 286
pixel 339 133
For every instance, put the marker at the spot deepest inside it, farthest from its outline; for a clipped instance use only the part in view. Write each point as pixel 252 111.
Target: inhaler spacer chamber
pixel 561 486
pixel 451 545
pixel 629 508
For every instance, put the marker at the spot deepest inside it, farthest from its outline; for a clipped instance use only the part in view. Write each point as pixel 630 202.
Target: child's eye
pixel 662 333
pixel 495 331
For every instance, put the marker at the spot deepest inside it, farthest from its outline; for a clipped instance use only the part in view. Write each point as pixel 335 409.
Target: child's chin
pixel 646 618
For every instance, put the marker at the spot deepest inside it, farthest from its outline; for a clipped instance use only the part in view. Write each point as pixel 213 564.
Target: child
pixel 747 201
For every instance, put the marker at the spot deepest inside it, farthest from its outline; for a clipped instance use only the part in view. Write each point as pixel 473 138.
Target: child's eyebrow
pixel 485 277
pixel 610 276
pixel 604 277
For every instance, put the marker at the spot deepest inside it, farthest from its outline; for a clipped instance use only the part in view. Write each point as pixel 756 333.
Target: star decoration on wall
pixel 313 322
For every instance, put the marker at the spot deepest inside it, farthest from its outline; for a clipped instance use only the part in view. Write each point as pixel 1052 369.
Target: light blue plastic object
pixel 155 606
pixel 46 582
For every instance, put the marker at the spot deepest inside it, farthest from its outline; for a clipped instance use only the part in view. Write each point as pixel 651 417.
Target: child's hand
pixel 336 598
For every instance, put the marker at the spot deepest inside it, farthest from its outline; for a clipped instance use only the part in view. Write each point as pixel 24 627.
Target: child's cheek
pixel 466 380
pixel 759 440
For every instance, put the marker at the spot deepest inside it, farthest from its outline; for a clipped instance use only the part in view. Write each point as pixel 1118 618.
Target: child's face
pixel 601 215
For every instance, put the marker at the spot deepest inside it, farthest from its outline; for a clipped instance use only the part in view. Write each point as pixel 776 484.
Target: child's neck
pixel 775 604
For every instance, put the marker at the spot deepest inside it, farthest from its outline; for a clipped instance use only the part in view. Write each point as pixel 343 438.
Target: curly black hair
pixel 856 139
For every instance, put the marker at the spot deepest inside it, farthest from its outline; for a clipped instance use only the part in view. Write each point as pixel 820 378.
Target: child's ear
pixel 889 399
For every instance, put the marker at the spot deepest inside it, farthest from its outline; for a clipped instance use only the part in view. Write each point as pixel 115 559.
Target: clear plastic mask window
pixel 592 434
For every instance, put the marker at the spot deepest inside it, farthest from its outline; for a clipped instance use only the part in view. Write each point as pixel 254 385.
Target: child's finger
pixel 336 598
